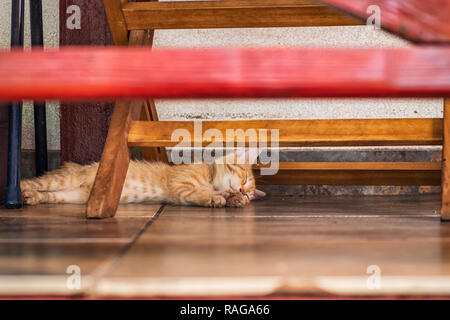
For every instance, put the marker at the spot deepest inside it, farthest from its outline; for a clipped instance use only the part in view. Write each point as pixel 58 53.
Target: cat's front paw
pixel 217 201
pixel 237 200
pixel 31 197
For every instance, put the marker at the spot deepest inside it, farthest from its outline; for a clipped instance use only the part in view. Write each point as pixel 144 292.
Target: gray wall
pixel 355 36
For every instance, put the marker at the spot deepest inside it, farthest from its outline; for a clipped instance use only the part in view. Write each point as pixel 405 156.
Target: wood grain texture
pixel 94 29
pixel 291 245
pixel 116 19
pixel 271 247
pixel 232 14
pixel 40 241
pixel 445 192
pixel 105 195
pixel 353 173
pixel 415 20
pixel 99 73
pixel 357 166
pixel 84 124
pixel 295 133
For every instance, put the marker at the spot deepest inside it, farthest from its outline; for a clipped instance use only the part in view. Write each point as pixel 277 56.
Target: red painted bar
pixel 424 21
pixel 99 73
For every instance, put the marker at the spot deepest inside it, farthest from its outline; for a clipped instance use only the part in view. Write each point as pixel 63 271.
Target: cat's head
pixel 234 171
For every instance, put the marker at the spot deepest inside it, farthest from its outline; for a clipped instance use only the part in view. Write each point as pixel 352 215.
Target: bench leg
pixel 445 193
pixel 112 171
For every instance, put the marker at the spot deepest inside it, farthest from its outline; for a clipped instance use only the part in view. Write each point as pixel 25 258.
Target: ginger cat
pixel 214 185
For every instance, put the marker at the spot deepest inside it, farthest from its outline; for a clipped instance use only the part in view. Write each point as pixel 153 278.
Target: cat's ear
pixel 259 194
pixel 247 155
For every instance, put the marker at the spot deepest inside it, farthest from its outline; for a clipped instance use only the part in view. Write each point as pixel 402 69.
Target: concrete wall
pixel 358 36
pixel 355 36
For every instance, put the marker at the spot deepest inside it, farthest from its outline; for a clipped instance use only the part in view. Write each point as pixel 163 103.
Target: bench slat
pixel 103 73
pixel 353 173
pixel 232 14
pixel 297 133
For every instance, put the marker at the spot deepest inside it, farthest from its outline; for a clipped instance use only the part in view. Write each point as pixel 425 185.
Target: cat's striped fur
pixel 209 185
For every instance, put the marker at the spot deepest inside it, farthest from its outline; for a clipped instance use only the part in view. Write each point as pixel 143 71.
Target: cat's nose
pixel 241 190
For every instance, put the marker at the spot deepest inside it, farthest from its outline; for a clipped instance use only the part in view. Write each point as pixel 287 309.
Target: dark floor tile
pixel 77 211
pixel 206 250
pixel 53 259
pixel 44 223
pixel 345 206
pixel 38 229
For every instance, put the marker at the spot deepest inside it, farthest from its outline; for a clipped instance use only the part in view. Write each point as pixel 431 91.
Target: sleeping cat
pixel 222 183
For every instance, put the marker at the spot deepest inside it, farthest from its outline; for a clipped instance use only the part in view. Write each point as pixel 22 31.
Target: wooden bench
pixel 132 23
pixel 136 73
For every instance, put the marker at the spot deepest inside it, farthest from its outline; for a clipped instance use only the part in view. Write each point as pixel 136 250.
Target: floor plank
pixel 75 211
pixel 67 223
pixel 276 246
pixel 50 259
pixel 323 206
pixel 38 244
pixel 279 245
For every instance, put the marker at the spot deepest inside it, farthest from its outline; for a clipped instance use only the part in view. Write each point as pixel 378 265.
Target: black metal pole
pixel 13 193
pixel 40 126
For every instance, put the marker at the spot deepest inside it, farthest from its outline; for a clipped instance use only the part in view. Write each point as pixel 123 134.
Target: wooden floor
pixel 275 247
